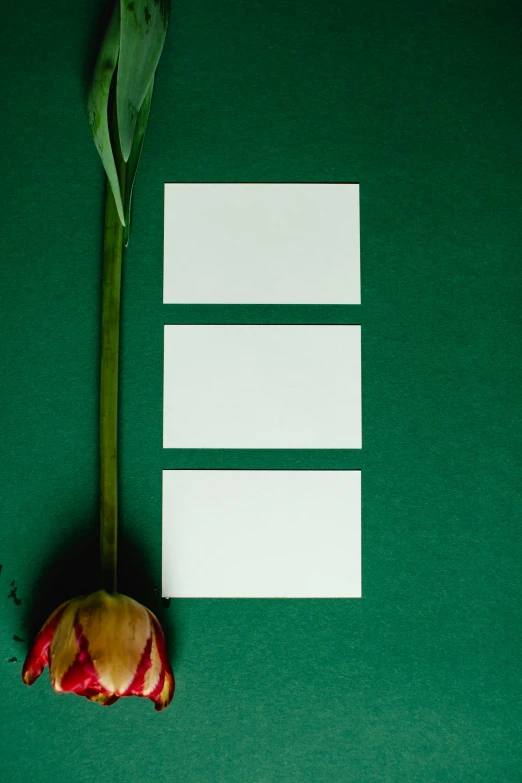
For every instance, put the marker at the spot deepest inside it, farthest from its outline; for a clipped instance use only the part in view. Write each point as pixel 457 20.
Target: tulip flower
pixel 103 646
pixel 106 645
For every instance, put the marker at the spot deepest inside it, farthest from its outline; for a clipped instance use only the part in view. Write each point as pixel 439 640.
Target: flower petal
pixel 117 629
pixel 136 686
pixel 165 697
pixel 154 677
pixel 163 692
pixel 38 656
pixel 82 675
pixel 105 699
pixel 64 647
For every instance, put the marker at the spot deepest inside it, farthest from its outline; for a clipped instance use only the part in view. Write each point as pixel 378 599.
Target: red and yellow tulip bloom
pixel 103 646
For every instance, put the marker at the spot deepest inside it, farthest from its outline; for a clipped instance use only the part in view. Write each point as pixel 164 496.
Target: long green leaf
pixel 98 101
pixel 134 158
pixel 143 30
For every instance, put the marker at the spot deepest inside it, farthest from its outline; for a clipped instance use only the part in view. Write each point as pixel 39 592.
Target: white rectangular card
pixel 261 534
pixel 261 243
pixel 294 387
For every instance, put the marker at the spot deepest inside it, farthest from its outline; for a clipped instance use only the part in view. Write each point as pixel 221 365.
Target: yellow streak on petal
pixel 64 648
pixel 166 693
pixel 27 678
pixel 102 698
pixel 117 629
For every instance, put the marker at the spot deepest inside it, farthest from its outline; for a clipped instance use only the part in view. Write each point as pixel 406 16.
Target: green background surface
pixel 421 103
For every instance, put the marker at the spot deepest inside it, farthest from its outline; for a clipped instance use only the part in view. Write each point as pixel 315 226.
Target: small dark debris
pixel 17 638
pixel 13 595
pixel 1 566
pixel 165 602
pixel 148 16
pixel 12 583
pixel 12 660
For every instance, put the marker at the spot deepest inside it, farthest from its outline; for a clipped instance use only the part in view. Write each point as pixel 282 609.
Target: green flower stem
pixel 110 347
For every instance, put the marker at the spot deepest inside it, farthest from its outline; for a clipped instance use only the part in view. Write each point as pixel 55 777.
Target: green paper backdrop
pixel 421 103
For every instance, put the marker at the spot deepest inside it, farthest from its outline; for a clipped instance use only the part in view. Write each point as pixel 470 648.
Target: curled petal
pixel 38 656
pixel 165 697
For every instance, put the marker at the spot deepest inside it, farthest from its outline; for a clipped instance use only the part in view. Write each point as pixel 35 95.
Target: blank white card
pixel 261 243
pixel 294 387
pixel 261 534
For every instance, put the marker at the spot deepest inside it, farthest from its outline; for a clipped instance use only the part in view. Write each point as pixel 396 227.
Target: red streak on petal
pixel 136 686
pixel 38 656
pixel 82 675
pixel 158 687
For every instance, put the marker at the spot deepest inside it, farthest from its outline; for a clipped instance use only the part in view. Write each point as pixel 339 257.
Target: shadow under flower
pixel 71 570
